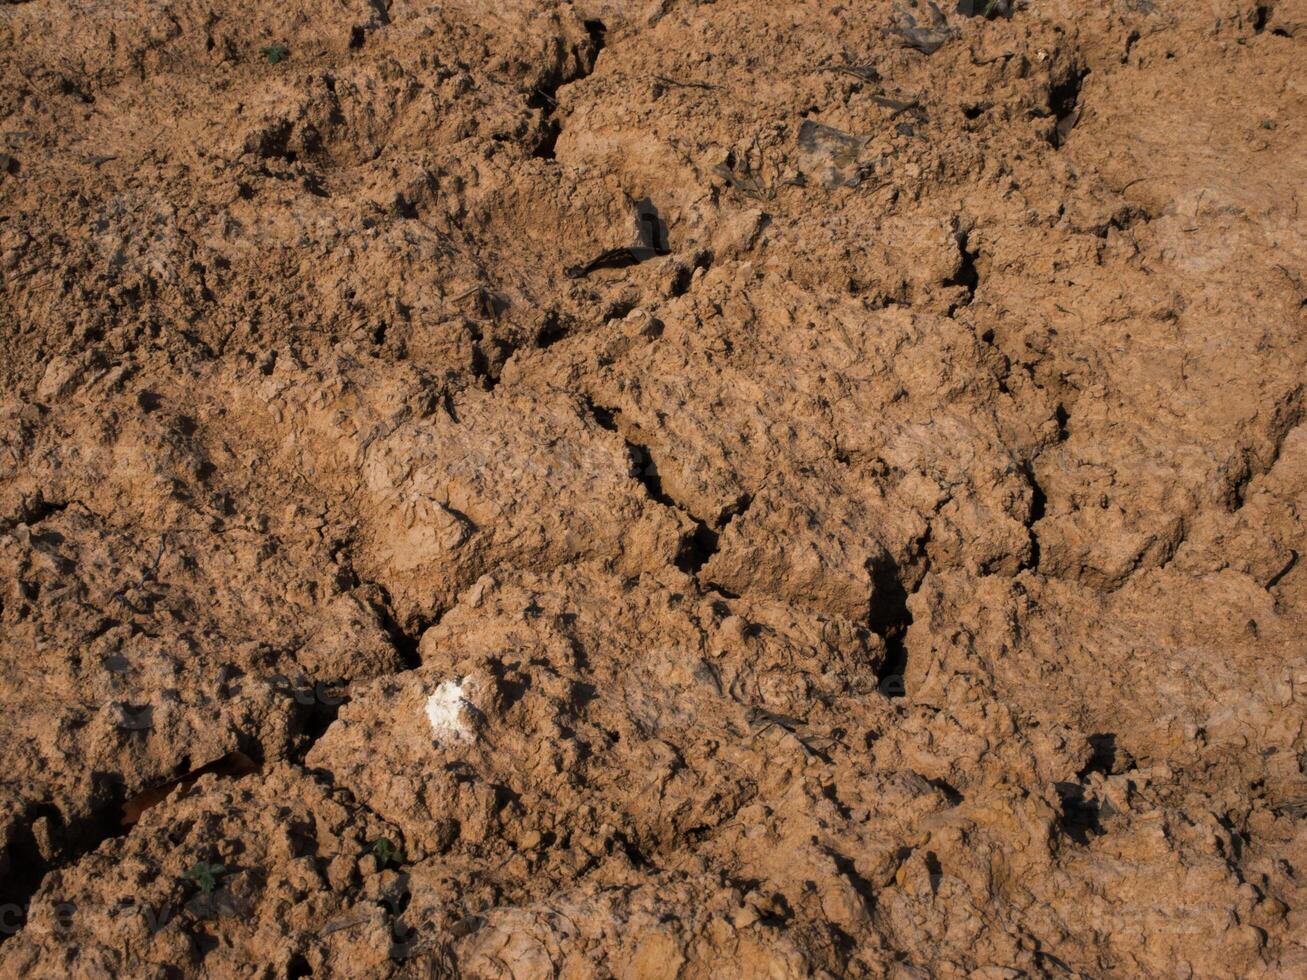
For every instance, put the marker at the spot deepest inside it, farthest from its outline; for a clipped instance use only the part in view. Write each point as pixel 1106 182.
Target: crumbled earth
pixel 653 488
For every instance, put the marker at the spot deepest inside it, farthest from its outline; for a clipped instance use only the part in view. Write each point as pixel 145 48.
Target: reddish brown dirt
pixel 653 488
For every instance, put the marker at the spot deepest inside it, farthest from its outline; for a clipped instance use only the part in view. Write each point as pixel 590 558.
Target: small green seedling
pixel 385 852
pixel 274 52
pixel 205 876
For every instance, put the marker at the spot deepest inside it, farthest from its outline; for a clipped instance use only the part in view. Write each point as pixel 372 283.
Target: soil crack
pixel 1064 104
pixel 698 547
pixel 545 95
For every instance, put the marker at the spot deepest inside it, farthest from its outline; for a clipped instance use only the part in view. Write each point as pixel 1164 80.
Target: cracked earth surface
pixel 653 488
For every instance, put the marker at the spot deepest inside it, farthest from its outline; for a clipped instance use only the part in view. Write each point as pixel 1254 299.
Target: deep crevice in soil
pixel 405 640
pixel 1038 506
pixel 545 95
pixel 1081 814
pixel 700 544
pixel 551 331
pixel 697 547
pixel 1064 104
pixel 35 510
pixel 43 842
pixel 889 618
pixel 967 276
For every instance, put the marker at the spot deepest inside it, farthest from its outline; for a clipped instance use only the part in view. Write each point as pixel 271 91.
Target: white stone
pixel 448 712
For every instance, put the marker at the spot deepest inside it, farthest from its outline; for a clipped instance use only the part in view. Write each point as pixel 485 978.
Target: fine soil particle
pixel 653 489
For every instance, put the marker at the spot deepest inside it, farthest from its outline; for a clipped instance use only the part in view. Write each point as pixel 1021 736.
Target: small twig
pixel 465 294
pixel 864 72
pixel 746 184
pixel 679 84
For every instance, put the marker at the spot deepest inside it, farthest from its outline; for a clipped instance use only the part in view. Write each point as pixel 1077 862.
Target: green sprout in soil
pixel 205 876
pixel 274 52
pixel 385 852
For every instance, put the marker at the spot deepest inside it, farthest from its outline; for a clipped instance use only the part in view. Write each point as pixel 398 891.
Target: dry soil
pixel 653 488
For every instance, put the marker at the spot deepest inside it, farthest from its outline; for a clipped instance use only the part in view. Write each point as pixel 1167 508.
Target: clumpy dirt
pixel 653 488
